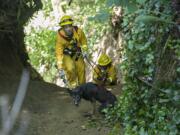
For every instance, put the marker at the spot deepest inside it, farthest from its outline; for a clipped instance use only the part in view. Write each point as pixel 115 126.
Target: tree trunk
pixel 13 15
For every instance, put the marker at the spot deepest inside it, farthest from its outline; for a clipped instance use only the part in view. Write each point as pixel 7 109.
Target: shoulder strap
pixel 76 28
pixel 64 37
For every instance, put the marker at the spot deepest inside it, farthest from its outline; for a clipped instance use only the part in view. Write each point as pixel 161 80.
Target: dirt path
pixel 52 112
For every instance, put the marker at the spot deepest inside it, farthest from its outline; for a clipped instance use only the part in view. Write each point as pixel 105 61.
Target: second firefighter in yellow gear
pixel 105 72
pixel 70 44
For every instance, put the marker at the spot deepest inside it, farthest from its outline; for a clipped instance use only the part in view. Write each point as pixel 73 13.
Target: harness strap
pixel 76 28
pixel 75 46
pixel 64 37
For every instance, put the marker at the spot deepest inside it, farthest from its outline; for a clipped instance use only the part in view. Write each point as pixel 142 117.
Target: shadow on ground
pixel 52 112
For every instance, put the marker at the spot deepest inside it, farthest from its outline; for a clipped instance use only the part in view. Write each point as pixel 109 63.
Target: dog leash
pixel 92 64
pixel 64 79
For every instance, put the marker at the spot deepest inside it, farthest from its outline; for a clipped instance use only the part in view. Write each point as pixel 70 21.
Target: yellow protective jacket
pixel 62 43
pixel 111 75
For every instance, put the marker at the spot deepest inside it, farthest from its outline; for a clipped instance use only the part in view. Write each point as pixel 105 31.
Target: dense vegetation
pixel 151 59
pixel 150 100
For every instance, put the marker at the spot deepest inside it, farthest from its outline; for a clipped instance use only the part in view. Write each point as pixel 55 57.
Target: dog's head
pixel 76 98
pixel 76 95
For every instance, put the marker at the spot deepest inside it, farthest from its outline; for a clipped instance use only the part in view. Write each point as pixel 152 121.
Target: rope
pixel 90 63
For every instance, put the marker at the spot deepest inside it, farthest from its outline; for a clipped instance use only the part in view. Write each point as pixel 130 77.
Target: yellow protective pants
pixel 74 71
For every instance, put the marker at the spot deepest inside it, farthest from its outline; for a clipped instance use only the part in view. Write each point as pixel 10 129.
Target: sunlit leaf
pixel 131 6
pixel 141 1
pixel 164 100
pixel 110 3
pixel 176 98
pixel 178 69
pixel 142 132
pixel 150 19
pixel 102 16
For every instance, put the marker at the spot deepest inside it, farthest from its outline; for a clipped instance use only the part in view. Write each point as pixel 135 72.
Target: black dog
pixel 92 92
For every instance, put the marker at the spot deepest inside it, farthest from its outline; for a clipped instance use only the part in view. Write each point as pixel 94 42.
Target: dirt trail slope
pixel 52 111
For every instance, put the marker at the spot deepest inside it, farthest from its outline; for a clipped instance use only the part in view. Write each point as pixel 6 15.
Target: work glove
pixel 84 48
pixel 61 73
pixel 109 80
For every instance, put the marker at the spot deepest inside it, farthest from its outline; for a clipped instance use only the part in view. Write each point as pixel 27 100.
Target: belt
pixel 72 53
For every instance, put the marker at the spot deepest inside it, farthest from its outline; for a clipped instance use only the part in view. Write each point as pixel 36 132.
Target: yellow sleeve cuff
pixel 110 79
pixel 60 63
pixel 84 48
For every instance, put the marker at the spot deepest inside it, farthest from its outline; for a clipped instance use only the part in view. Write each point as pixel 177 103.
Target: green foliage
pixel 41 49
pixel 40 42
pixel 142 109
pixel 102 16
pixel 141 1
pixel 97 17
pixel 129 5
pixel 151 19
pixel 47 7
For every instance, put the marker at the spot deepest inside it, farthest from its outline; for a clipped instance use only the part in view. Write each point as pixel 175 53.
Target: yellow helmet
pixel 65 20
pixel 104 60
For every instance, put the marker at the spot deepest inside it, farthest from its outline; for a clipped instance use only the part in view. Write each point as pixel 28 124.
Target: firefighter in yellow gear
pixel 105 72
pixel 71 46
